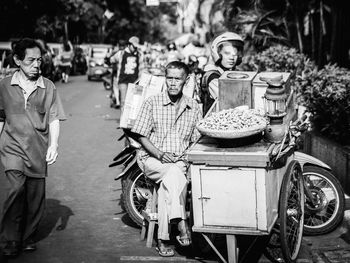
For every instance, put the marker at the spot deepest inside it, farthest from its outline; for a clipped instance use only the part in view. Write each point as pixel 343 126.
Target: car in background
pixel 97 54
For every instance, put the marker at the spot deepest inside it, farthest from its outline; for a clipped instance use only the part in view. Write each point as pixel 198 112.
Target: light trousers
pixel 171 193
pixel 119 91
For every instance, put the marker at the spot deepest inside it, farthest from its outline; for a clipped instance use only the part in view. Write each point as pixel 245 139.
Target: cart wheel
pixel 291 212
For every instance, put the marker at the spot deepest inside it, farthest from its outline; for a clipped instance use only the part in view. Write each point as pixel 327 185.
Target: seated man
pixel 166 125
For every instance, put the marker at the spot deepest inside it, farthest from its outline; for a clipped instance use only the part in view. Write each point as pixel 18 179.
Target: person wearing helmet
pixel 226 51
pixel 173 54
pixel 129 67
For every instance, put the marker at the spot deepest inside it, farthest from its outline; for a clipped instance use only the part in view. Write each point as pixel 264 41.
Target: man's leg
pixel 35 204
pixel 116 91
pixel 13 212
pixel 171 197
pixel 123 87
pixel 175 184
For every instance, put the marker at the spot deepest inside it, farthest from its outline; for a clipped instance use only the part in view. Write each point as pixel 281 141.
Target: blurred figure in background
pixel 173 54
pixel 79 64
pixel 9 62
pixel 47 66
pixel 115 101
pixel 65 58
pixel 129 67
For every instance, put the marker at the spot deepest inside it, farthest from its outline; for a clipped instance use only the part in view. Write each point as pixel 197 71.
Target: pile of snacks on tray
pixel 233 123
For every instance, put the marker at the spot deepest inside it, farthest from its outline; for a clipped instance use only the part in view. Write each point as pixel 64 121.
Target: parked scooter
pixel 136 187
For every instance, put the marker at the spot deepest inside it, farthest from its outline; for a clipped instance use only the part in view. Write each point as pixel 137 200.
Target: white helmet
pixel 227 36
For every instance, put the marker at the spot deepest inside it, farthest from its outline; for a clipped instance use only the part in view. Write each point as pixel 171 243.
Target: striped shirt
pixel 168 130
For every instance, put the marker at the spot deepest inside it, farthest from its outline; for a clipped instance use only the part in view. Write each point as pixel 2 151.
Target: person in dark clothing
pixel 129 67
pixel 30 111
pixel 9 62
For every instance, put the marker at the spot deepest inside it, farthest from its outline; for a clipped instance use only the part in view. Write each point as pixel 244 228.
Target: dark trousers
pixel 23 207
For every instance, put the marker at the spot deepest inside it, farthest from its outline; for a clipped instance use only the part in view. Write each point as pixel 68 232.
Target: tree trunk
pixel 313 42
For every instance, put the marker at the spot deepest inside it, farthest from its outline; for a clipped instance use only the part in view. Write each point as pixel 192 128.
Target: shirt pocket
pixel 186 126
pixel 39 118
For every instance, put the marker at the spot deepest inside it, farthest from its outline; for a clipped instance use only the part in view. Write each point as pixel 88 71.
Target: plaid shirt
pixel 167 130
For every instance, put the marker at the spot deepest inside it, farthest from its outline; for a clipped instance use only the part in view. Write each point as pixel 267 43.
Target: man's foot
pixel 184 238
pixel 29 246
pixel 163 250
pixel 11 249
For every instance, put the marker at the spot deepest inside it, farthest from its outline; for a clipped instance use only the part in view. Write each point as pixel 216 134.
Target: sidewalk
pixel 333 247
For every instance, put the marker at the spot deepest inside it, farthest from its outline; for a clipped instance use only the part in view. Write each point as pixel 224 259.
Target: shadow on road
pixel 56 215
pixel 127 221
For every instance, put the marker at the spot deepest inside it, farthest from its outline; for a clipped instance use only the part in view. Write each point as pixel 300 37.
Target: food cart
pixel 240 186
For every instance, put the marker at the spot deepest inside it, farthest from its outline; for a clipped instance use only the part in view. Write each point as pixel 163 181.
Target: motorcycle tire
pixel 137 190
pixel 329 211
pixel 121 202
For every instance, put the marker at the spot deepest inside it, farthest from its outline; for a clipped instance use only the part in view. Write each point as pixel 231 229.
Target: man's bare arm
pixel 52 151
pixel 155 152
pixel 1 126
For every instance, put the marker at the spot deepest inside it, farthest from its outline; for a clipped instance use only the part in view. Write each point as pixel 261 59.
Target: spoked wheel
pixel 138 189
pixel 291 212
pixel 324 204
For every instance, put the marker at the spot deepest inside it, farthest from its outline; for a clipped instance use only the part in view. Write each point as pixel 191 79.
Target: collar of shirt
pixel 127 50
pixel 183 101
pixel 17 79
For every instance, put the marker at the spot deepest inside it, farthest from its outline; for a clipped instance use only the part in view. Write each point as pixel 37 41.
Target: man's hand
pixel 168 158
pixel 51 154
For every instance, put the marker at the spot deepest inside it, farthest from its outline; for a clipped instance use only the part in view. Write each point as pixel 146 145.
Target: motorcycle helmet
pixel 236 41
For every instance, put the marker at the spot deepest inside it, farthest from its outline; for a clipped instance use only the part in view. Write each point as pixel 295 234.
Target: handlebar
pixel 293 132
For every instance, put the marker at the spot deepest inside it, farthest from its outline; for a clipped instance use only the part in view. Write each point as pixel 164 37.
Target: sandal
pixel 165 251
pixel 184 241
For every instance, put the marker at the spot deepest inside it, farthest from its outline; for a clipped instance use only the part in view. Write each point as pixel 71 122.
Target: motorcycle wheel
pixel 328 212
pixel 137 190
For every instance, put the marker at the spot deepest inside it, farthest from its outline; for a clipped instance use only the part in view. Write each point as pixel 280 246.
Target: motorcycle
pixel 79 63
pixel 137 188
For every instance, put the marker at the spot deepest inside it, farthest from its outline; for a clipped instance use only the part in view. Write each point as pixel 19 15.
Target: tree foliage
pixel 83 20
pixel 141 20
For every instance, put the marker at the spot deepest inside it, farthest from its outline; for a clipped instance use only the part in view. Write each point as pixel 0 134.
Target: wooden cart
pixel 239 190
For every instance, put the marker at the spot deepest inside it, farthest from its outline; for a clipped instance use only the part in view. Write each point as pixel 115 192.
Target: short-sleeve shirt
pixel 129 67
pixel 25 136
pixel 168 130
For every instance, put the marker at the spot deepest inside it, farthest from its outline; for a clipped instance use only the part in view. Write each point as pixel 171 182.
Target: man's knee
pixel 175 173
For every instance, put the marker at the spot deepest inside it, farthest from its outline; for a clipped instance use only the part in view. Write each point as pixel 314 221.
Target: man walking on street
pixel 130 66
pixel 166 126
pixel 30 111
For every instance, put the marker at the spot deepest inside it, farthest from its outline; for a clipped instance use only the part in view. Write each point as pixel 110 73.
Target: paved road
pixel 83 221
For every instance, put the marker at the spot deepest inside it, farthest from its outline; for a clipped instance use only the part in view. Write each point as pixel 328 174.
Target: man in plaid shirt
pixel 166 126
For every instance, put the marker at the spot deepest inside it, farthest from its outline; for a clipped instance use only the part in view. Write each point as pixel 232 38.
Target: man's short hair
pixel 22 45
pixel 178 65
